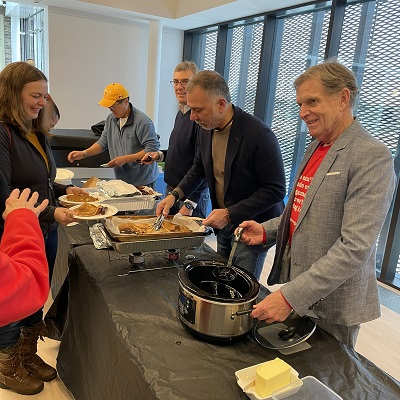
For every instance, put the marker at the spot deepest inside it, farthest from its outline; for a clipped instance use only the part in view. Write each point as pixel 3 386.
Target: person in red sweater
pixel 24 283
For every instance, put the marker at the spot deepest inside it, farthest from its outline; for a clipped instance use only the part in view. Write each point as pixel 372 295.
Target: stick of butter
pixel 271 376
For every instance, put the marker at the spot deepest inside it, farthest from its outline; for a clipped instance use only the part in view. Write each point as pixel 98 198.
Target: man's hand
pixel 165 205
pixel 150 157
pixel 118 161
pixel 218 219
pixel 252 233
pixel 76 155
pixel 21 200
pixel 185 211
pixel 272 308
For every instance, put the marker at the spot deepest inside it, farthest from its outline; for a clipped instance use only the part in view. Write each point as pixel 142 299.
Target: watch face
pixel 189 206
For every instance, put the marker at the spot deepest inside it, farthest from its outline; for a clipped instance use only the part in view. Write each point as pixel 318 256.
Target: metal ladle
pixel 236 240
pixel 226 272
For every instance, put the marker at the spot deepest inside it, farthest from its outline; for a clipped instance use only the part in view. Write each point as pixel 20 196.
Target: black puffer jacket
pixel 22 166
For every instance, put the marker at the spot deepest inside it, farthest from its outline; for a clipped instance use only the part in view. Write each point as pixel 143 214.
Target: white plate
pixel 245 379
pixel 111 210
pixel 64 200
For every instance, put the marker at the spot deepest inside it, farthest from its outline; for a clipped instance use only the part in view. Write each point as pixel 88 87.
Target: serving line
pixel 129 329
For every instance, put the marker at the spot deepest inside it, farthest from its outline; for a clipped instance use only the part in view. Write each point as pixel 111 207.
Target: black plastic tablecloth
pixel 123 340
pixel 68 238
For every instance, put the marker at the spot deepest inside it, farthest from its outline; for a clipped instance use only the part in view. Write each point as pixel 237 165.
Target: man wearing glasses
pixel 128 135
pixel 182 146
pixel 239 156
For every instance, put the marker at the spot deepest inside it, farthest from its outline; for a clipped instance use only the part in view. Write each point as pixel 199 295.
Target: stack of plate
pixel 64 176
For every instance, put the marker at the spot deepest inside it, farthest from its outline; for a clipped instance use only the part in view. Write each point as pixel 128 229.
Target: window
pixel 203 48
pixel 374 56
pixel 261 56
pixel 23 27
pixel 302 40
pixel 244 61
pixel 32 37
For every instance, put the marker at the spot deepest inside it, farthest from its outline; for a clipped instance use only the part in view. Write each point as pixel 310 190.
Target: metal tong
pixel 158 224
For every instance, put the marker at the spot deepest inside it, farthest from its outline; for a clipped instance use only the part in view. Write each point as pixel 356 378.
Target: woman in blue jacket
pixel 26 161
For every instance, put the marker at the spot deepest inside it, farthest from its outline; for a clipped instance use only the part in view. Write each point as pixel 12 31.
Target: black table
pixel 123 340
pixel 63 141
pixel 69 237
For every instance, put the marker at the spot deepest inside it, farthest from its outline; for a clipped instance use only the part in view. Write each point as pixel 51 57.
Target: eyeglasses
pixel 183 82
pixel 115 105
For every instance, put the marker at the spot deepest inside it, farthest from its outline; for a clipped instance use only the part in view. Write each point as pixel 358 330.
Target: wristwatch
pixel 175 194
pixel 189 205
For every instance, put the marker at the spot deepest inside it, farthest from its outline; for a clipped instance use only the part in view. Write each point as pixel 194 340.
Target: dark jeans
pixel 202 205
pixel 9 334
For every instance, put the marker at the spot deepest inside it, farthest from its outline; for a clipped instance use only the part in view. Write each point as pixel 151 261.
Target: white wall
pixel 88 52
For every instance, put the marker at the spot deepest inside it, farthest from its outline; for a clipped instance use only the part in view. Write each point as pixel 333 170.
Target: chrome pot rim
pixel 251 281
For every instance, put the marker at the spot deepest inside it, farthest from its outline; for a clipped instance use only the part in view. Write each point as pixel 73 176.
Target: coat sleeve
pixel 147 136
pixel 24 283
pixel 5 167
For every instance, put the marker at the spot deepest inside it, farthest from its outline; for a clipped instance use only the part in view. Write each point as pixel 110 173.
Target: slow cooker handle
pixel 239 313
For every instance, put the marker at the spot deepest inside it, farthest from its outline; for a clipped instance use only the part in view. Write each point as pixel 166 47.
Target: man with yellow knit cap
pixel 128 135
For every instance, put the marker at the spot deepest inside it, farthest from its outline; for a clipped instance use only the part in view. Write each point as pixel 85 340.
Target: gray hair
pixel 333 76
pixel 187 66
pixel 212 83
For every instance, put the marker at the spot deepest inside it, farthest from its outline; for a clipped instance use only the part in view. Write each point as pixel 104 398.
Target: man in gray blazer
pixel 326 237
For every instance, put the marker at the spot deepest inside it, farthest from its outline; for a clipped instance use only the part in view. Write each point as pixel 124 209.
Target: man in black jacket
pixel 241 161
pixel 182 146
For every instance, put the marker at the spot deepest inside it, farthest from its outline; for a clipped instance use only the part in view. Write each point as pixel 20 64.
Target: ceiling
pixel 178 14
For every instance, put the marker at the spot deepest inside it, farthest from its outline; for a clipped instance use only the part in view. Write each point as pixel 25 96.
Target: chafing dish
pixel 136 243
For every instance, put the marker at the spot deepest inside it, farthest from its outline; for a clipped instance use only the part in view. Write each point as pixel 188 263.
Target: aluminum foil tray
pixel 133 203
pixel 132 243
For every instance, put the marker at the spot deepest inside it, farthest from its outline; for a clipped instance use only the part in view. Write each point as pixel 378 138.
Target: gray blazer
pixel 333 252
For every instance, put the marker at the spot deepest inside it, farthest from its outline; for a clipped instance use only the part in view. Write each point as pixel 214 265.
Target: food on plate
pixel 141 228
pixel 89 210
pixel 91 182
pixel 81 198
pixel 146 190
pixel 271 376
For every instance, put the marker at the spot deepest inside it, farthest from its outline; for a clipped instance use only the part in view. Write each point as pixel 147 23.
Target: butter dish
pixel 246 377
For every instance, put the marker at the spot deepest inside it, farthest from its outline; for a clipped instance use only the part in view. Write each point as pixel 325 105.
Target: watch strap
pixel 176 195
